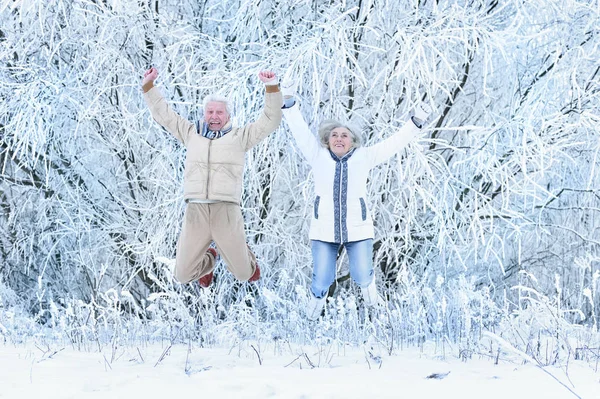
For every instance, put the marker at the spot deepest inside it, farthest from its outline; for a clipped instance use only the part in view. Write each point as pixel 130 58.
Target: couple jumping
pixel 212 185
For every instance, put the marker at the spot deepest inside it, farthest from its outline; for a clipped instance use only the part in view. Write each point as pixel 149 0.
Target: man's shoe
pixel 256 275
pixel 213 252
pixel 207 279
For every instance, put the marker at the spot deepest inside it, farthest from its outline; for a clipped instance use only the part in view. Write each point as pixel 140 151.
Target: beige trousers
pixel 222 223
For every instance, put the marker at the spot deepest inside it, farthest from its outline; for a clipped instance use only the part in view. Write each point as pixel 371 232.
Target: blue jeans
pixel 360 255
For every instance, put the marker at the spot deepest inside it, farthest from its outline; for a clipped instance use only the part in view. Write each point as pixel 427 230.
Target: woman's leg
pixel 324 260
pixel 360 257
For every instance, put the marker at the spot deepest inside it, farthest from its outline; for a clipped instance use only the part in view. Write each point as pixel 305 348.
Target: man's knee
pixel 243 267
pixel 189 270
pixel 182 275
pixel 243 274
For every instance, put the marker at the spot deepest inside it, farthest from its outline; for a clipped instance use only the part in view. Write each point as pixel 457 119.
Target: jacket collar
pixel 343 158
pixel 212 134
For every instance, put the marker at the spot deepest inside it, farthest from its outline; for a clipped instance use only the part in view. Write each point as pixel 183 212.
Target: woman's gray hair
pixel 328 125
pixel 218 99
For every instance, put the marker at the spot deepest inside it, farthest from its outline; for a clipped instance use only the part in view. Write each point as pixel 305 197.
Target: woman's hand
pixel 422 111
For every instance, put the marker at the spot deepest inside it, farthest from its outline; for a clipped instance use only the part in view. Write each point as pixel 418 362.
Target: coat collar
pixel 210 134
pixel 343 158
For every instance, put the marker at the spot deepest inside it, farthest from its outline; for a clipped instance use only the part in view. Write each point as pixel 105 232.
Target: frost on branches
pixel 493 217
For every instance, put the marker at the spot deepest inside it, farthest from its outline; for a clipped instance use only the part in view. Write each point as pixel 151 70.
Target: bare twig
pixel 140 354
pixel 527 358
pixel 162 356
pixel 298 357
pixel 257 354
pixel 310 363
pixel 106 363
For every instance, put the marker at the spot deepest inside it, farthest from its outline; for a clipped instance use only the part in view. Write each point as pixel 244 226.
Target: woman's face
pixel 340 141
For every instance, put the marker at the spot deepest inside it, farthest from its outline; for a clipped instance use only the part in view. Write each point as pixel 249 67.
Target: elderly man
pixel 212 184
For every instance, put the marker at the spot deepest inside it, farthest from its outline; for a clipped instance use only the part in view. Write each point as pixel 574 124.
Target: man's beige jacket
pixel 214 168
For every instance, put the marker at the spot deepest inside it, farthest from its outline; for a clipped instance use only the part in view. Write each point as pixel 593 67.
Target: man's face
pixel 340 141
pixel 215 115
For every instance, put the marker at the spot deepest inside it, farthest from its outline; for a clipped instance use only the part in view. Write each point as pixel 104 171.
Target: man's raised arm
pixel 270 117
pixel 162 113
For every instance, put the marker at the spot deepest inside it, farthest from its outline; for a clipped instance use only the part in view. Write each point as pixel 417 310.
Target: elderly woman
pixel 341 216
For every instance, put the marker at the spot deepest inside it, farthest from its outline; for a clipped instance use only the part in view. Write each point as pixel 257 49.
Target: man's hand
pixel 268 77
pixel 150 76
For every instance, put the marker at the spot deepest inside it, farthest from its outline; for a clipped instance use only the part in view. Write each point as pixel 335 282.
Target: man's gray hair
pixel 218 99
pixel 328 125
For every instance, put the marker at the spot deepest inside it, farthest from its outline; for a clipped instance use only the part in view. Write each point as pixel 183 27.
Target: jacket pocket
pixel 195 178
pixel 317 200
pixel 223 182
pixel 363 209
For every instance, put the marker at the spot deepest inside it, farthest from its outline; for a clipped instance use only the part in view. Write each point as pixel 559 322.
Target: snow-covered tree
pixel 499 202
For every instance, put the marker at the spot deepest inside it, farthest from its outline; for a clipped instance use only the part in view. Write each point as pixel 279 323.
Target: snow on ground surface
pixel 160 371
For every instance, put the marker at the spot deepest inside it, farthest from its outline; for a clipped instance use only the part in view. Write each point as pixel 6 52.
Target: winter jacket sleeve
pixel 162 113
pixel 385 149
pixel 268 121
pixel 306 141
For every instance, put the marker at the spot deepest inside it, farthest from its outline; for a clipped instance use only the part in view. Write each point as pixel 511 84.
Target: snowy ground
pixel 157 371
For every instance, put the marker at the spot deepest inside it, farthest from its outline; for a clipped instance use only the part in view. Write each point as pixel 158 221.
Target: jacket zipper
pixel 208 169
pixel 340 199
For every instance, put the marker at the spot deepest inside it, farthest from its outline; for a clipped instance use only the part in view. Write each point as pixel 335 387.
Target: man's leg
pixel 227 226
pixel 192 261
